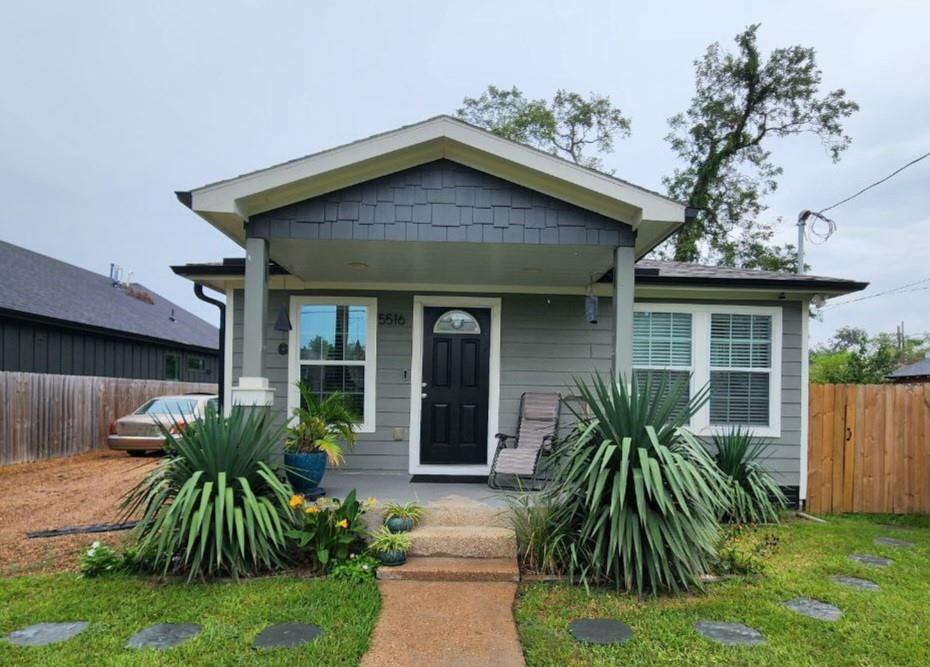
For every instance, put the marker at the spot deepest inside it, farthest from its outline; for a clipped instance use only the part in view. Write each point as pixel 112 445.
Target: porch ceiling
pixel 424 264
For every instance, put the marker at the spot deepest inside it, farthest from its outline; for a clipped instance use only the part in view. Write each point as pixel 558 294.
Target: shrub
pixel 739 553
pixel 754 495
pixel 542 540
pixel 321 425
pixel 329 530
pixel 213 506
pixel 100 560
pixel 358 569
pixel 638 496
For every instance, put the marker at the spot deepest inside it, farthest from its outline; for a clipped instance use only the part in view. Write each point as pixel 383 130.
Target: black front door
pixel 454 414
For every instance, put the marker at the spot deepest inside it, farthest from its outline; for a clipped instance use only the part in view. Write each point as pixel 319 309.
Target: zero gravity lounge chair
pixel 518 456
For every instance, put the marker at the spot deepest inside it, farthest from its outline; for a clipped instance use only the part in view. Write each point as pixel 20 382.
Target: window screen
pixel 740 369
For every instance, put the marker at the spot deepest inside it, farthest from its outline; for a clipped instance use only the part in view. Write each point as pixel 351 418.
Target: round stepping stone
pixel 730 634
pixel 600 631
pixel 856 582
pixel 893 542
pixel 163 635
pixel 43 634
pixel 814 609
pixel 285 635
pixel 871 559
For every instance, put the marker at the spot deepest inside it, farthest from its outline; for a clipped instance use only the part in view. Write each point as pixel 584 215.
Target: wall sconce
pixel 590 308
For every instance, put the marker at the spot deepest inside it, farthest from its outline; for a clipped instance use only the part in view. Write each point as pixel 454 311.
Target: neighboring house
pixel 58 318
pixel 437 272
pixel 916 372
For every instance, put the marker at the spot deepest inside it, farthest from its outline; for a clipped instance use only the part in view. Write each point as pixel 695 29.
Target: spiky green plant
pixel 214 506
pixel 638 495
pixel 321 425
pixel 542 543
pixel 755 496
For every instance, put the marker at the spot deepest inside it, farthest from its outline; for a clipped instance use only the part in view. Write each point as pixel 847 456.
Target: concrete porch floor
pixel 397 487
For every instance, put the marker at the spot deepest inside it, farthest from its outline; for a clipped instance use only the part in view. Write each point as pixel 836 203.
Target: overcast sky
pixel 108 107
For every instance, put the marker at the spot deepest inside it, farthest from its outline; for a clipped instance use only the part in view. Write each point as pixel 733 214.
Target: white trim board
pixel 371 352
pixel 416 382
pixel 805 397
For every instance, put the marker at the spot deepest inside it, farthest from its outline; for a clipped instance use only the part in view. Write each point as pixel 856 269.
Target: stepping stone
pixel 814 609
pixel 163 635
pixel 43 634
pixel 600 631
pixel 871 559
pixel 856 582
pixel 730 634
pixel 893 542
pixel 286 635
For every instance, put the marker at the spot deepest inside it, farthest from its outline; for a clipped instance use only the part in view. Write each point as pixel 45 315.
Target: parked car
pixel 139 432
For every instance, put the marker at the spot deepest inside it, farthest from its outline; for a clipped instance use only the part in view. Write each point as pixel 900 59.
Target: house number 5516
pixel 391 319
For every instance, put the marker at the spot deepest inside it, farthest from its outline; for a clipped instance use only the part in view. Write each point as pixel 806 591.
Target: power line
pixel 875 184
pixel 894 290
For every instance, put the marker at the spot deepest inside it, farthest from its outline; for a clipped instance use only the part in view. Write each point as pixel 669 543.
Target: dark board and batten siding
pixel 30 346
pixel 545 343
pixel 441 201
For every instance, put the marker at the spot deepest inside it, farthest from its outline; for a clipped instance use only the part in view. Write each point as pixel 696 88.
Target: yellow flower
pixel 311 509
pixel 296 501
pixel 369 503
pixel 343 524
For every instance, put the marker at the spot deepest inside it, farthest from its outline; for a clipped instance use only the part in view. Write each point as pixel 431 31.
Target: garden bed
pixel 886 627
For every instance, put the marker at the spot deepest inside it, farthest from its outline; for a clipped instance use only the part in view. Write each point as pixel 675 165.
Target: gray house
pixel 436 272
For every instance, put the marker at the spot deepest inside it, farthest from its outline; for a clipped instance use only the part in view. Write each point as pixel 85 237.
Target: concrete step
pixel 460 511
pixel 463 542
pixel 452 569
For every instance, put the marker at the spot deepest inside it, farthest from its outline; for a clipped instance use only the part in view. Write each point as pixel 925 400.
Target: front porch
pixel 397 487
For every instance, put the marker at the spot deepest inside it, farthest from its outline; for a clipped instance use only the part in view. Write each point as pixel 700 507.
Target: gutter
pixel 221 376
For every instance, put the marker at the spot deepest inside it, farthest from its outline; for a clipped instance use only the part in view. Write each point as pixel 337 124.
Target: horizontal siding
pixel 545 344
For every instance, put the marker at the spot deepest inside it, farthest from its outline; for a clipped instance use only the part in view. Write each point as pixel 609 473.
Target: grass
pixel 231 616
pixel 889 627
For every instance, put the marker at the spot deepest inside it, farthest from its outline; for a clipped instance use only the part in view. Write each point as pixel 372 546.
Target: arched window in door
pixel 456 322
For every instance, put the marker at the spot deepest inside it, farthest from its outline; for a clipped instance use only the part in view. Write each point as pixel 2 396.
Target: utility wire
pixel 875 184
pixel 894 290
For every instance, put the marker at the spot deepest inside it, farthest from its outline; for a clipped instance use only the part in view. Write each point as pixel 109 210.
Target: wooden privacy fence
pixel 43 416
pixel 869 449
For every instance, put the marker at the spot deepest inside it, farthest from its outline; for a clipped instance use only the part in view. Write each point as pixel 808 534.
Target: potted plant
pixel 315 438
pixel 390 548
pixel 402 518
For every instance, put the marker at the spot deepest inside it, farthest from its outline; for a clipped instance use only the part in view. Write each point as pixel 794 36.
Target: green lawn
pixel 890 627
pixel 231 615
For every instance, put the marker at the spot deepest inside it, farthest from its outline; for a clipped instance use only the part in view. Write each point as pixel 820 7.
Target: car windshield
pixel 168 406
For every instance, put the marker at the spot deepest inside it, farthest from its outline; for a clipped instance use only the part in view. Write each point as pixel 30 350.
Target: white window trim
pixel 700 360
pixel 416 383
pixel 371 352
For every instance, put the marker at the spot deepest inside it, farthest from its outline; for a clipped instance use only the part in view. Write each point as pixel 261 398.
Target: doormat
pixel 79 530
pixel 449 479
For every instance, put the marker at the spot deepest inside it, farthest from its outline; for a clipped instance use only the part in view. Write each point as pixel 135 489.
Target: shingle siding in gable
pixel 441 201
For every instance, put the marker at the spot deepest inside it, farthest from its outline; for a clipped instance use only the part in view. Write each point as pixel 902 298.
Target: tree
pixel 741 103
pixel 566 126
pixel 852 356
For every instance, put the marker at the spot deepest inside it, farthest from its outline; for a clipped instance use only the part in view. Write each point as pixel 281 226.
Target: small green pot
pixel 392 558
pixel 398 524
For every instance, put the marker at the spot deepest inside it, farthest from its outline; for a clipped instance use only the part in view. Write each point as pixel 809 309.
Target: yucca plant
pixel 214 506
pixel 637 494
pixel 755 496
pixel 543 546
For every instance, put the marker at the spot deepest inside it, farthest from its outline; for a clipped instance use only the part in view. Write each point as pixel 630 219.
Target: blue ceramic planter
pixel 392 558
pixel 310 468
pixel 398 525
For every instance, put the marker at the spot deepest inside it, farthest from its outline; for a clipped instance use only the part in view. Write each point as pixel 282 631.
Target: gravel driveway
pixel 54 494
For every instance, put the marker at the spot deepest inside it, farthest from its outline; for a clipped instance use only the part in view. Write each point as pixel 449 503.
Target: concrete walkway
pixel 445 624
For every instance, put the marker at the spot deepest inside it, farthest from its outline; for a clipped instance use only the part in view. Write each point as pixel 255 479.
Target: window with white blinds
pixel 736 350
pixel 740 369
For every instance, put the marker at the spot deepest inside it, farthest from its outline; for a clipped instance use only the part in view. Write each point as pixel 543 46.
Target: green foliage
pixel 411 511
pixel 358 569
pixel 321 425
pixel 328 530
pixel 384 541
pixel 755 497
pixel 213 506
pixel 743 101
pixel 743 551
pixel 543 542
pixel 638 495
pixel 102 560
pixel 854 357
pixel 564 127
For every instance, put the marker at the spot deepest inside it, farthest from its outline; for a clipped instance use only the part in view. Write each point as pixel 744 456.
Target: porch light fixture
pixel 283 322
pixel 358 266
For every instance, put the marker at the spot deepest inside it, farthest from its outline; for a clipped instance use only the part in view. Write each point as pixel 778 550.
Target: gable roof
pixel 229 203
pixel 40 286
pixel 918 369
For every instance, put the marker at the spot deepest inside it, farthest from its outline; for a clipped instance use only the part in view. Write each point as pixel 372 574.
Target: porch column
pixel 253 388
pixel 624 263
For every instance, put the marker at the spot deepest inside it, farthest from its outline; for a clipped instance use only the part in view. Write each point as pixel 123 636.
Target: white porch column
pixel 624 263
pixel 253 388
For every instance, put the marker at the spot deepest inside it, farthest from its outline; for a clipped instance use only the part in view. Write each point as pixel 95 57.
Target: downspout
pixel 221 376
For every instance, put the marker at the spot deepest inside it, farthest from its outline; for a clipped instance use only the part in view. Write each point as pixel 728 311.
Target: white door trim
pixel 416 380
